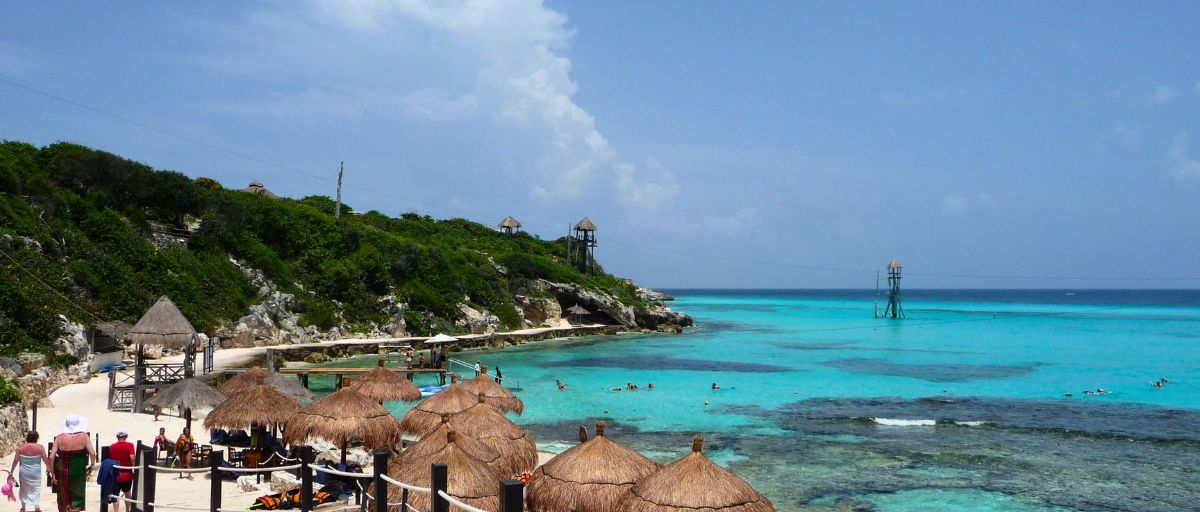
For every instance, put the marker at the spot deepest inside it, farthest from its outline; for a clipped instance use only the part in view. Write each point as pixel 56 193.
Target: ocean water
pixel 976 401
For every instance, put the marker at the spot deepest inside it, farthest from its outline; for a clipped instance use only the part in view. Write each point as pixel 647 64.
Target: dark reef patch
pixel 933 372
pixel 655 362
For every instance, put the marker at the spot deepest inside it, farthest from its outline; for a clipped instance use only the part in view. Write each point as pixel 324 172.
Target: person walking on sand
pixel 74 459
pixel 30 457
pixel 122 452
pixel 183 448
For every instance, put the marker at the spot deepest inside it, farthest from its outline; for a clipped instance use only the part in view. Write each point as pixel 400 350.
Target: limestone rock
pixel 539 310
pixel 31 361
pixel 647 294
pixel 396 325
pixel 599 303
pixel 72 340
pixel 11 368
pixel 14 424
pixel 316 358
pixel 478 322
pixel 282 481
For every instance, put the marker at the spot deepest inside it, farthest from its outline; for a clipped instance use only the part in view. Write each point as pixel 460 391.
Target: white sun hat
pixel 73 424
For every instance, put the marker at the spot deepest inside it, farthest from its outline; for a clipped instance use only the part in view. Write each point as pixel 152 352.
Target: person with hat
pixel 74 459
pixel 122 451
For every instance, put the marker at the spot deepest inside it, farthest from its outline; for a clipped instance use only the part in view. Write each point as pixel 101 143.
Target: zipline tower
pixel 581 246
pixel 894 309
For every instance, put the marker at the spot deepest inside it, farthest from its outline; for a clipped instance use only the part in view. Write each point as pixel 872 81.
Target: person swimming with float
pixel 715 386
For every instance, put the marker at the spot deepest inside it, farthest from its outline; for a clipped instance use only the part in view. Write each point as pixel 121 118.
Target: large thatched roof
pixel 585 224
pixel 494 394
pixel 382 384
pixel 435 440
pixel 187 394
pixel 261 405
pixel 257 187
pixel 489 425
pixel 427 415
pixel 691 484
pixel 342 415
pixel 164 325
pixel 285 384
pixel 115 329
pixel 589 477
pixel 510 222
pixel 469 479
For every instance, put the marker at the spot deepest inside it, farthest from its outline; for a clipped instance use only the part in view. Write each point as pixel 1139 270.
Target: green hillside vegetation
pixel 92 215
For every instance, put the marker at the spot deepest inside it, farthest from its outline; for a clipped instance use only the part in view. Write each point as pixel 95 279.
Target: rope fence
pixel 402 485
pixel 458 505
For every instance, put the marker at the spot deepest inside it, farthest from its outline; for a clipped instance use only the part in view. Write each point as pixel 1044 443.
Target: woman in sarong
pixel 74 460
pixel 30 457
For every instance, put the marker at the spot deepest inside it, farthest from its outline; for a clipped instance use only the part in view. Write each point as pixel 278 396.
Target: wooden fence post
pixel 306 478
pixel 148 483
pixel 216 460
pixel 512 496
pixel 438 482
pixel 139 476
pixel 381 487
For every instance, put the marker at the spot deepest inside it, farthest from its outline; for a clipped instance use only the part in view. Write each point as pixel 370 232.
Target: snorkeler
pixel 715 386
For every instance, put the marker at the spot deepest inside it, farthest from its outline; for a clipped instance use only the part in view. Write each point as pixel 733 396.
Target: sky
pixel 714 144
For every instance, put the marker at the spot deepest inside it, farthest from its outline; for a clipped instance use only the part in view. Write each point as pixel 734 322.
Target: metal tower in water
pixel 894 309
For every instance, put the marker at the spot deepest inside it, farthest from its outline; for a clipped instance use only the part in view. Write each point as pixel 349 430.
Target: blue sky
pixel 715 144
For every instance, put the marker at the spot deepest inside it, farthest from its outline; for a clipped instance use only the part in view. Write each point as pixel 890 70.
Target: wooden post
pixel 438 482
pixel 512 496
pixel 214 474
pixel 306 474
pixel 138 477
pixel 103 498
pixel 337 211
pixel 148 482
pixel 35 404
pixel 381 487
pixel 97 443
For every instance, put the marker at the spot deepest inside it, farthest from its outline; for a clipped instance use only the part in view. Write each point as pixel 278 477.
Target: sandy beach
pixel 89 400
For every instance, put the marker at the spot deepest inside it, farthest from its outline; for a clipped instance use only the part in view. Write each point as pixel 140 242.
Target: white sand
pixel 90 400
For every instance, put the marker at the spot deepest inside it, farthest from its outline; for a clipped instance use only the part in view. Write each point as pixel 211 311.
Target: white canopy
pixel 441 338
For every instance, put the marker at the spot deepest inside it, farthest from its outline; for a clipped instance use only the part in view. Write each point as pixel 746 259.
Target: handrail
pixel 458 504
pixel 402 485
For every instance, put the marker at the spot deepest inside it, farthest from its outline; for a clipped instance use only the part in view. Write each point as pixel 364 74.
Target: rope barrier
pixel 176 507
pixel 127 500
pixel 458 504
pixel 412 508
pixel 127 468
pixel 276 455
pixel 263 470
pixel 402 485
pixel 341 473
pixel 180 470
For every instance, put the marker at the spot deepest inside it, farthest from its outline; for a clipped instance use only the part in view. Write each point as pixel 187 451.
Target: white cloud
pixel 436 105
pixel 1162 94
pixel 732 223
pixel 655 190
pixel 1182 166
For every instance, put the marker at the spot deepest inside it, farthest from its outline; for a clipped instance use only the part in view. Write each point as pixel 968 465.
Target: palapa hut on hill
pixel 163 324
pixel 693 483
pixel 589 477
pixel 436 439
pixel 261 406
pixel 469 479
pixel 257 188
pixel 427 415
pixel 494 394
pixel 341 416
pixel 509 225
pixel 488 424
pixel 382 385
pixel 186 395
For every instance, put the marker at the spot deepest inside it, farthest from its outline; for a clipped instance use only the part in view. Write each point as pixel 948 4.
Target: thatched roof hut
pixel 589 477
pixel 436 439
pixel 243 381
pixel 285 384
pixel 510 222
pixel 427 415
pixel 382 385
pixel 341 416
pixel 693 483
pixel 186 395
pixel 164 325
pixel 489 425
pixel 585 224
pixel 494 394
pixel 469 479
pixel 261 406
pixel 256 187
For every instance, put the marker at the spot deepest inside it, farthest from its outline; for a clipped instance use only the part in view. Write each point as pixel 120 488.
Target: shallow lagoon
pixel 803 374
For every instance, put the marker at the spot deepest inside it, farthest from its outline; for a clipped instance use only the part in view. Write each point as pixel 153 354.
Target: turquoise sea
pixel 962 406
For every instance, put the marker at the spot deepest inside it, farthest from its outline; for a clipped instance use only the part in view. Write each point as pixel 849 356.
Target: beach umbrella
pixel 489 425
pixel 589 477
pixel 468 479
pixel 577 311
pixel 163 324
pixel 382 384
pixel 246 380
pixel 691 484
pixel 427 414
pixel 260 406
pixel 186 395
pixel 341 416
pixel 439 339
pixel 436 439
pixel 494 394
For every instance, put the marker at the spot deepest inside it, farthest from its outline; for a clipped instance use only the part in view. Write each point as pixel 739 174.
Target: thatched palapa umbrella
pixel 186 395
pixel 246 381
pixel 436 439
pixel 589 477
pixel 578 311
pixel 469 479
pixel 489 425
pixel 382 384
pixel 427 415
pixel 163 324
pixel 494 394
pixel 260 406
pixel 341 416
pixel 693 483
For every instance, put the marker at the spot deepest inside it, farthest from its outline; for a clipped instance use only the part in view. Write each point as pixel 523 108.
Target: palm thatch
pixel 693 483
pixel 494 394
pixel 589 477
pixel 246 381
pixel 427 415
pixel 341 416
pixel 187 394
pixel 437 439
pixel 489 425
pixel 261 406
pixel 164 325
pixel 469 479
pixel 510 222
pixel 242 381
pixel 382 384
pixel 257 187
pixel 585 224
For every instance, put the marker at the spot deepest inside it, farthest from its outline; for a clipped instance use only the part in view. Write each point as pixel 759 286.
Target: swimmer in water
pixel 715 386
pixel 706 403
pixel 560 385
pixel 650 386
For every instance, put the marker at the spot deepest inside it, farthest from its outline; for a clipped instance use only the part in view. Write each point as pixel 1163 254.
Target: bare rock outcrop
pixel 476 321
